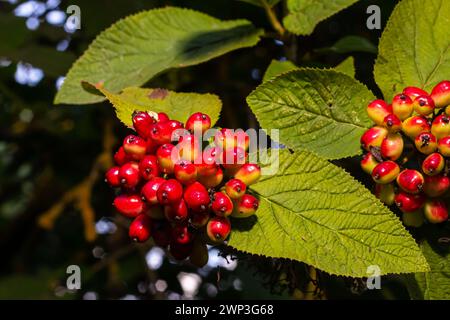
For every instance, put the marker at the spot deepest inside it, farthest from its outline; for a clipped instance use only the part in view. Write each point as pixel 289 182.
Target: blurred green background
pixel 47 150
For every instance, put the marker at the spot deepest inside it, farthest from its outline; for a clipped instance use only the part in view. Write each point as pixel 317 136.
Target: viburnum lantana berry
pixel 407 152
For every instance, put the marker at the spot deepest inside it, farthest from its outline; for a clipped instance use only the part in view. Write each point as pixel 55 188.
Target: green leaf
pixel 261 3
pixel 304 15
pixel 178 106
pixel 350 44
pixel 318 110
pixel 313 211
pixel 137 48
pixel 414 49
pixel 278 67
pixel 347 67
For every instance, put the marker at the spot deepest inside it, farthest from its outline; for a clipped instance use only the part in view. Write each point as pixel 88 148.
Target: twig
pixel 276 24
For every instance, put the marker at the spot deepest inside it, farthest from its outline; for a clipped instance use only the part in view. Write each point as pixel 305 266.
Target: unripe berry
pixel 181 234
pixel 436 211
pixel 414 92
pixel 378 110
pixel 441 126
pixel 221 204
pixel 170 192
pixel 424 105
pixel 233 158
pixel 203 121
pixel 385 172
pixel 199 254
pixel 402 106
pixel 135 146
pixel 167 156
pixel 413 219
pixel 385 192
pixel 368 163
pixel 426 143
pixel 444 146
pixel 176 212
pixel 121 157
pixel 415 125
pixel 249 173
pixel 197 197
pixel 213 180
pixel 112 177
pixel 180 251
pixel 436 186
pixel 189 147
pixel 433 164
pixel 199 219
pixel 246 206
pixel 441 94
pixel 163 117
pixel 140 228
pixel 392 147
pixel 148 167
pixel 129 175
pixel 373 137
pixel 129 205
pixel 392 123
pixel 241 139
pixel 161 233
pixel 218 229
pixel 235 188
pixel 185 172
pixel 410 181
pixel 150 189
pixel 142 122
pixel 409 202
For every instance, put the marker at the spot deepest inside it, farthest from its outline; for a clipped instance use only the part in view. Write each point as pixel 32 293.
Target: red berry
pixel 441 126
pixel 148 167
pixel 207 164
pixel 424 105
pixel 176 212
pixel 368 163
pixel 410 181
pixel 142 122
pixel 163 117
pixel 189 147
pixel 414 92
pixel 213 180
pixel 170 192
pixel 385 192
pixel 135 147
pixel 436 211
pixel 121 157
pixel 150 189
pixel 402 106
pixel 392 123
pixel 180 251
pixel 433 164
pixel 392 147
pixel 246 206
pixel 129 205
pixel 436 186
pixel 129 175
pixel 161 132
pixel 197 197
pixel 409 202
pixel 167 156
pixel 152 146
pixel 140 228
pixel 378 110
pixel 181 234
pixel 426 143
pixel 444 146
pixel 218 229
pixel 235 188
pixel 185 172
pixel 385 172
pixel 373 137
pixel 112 177
pixel 200 120
pixel 221 204
pixel 233 158
pixel 415 125
pixel 441 94
pixel 249 173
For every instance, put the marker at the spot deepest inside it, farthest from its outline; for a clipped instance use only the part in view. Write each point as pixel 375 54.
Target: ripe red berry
pixel 221 204
pixel 378 110
pixel 140 228
pixel 409 202
pixel 150 189
pixel 148 167
pixel 207 163
pixel 433 164
pixel 373 137
pixel 170 192
pixel 410 181
pixel 129 205
pixel 436 211
pixel 402 106
pixel 392 123
pixel 213 180
pixel 185 172
pixel 218 229
pixel 444 146
pixel 441 94
pixel 135 146
pixel 249 173
pixel 112 177
pixel 424 105
pixel 181 234
pixel 415 125
pixel 246 206
pixel 198 120
pixel 161 132
pixel 197 197
pixel 436 186
pixel 142 122
pixel 385 172
pixel 368 163
pixel 414 92
pixel 167 156
pixel 441 126
pixel 426 143
pixel 129 175
pixel 392 147
pixel 152 146
pixel 180 251
pixel 163 117
pixel 176 212
pixel 385 192
pixel 235 188
pixel 121 157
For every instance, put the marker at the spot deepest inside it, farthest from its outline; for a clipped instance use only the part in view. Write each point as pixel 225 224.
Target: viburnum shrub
pixel 178 189
pixel 407 152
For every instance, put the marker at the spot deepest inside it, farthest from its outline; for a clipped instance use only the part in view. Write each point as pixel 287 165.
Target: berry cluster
pixel 174 188
pixel 408 151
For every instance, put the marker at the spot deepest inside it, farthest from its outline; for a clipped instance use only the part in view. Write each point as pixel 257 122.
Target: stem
pixel 273 18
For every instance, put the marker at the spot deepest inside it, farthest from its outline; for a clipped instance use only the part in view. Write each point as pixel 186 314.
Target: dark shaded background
pixel 46 150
